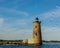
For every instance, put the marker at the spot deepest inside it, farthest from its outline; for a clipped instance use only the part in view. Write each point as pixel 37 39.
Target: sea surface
pixel 45 45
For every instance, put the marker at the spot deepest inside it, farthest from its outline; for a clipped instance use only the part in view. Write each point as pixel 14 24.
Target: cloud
pixel 54 13
pixel 13 34
pixel 51 29
pixel 1 21
pixel 21 22
pixel 51 33
pixel 12 12
pixel 9 31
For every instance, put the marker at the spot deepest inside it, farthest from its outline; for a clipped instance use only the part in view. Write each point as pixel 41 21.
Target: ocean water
pixel 46 45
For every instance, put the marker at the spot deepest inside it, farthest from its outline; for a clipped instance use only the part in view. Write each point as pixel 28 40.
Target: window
pixel 36 33
pixel 35 26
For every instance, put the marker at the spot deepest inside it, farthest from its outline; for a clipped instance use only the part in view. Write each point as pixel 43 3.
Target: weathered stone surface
pixel 37 32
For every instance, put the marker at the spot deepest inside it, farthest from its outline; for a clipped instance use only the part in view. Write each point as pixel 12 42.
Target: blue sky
pixel 17 16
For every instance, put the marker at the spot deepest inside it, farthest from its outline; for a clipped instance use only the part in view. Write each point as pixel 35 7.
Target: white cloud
pixel 1 21
pixel 7 31
pixel 11 34
pixel 51 29
pixel 13 12
pixel 54 13
pixel 21 22
pixel 51 33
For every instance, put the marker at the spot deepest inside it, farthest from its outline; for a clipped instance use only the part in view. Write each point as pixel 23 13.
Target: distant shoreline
pixel 11 42
pixel 16 42
pixel 51 41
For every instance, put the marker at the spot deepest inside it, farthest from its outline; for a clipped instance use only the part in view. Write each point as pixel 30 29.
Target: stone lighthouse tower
pixel 37 32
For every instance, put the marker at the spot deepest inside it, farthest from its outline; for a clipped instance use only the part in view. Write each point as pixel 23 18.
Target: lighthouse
pixel 37 32
pixel 36 36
